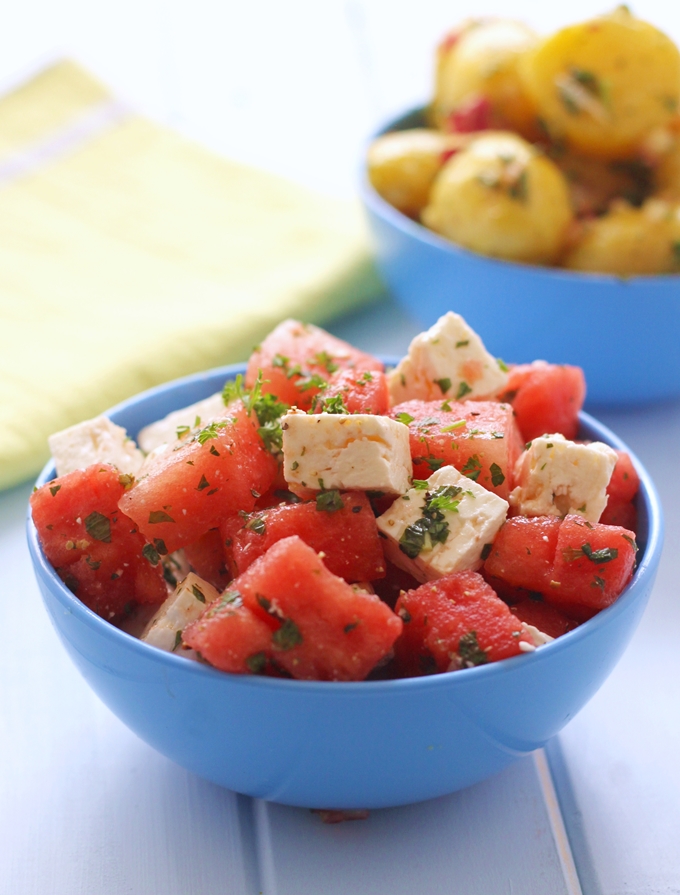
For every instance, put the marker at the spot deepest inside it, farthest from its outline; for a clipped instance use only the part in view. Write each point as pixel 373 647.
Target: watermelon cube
pixel 196 487
pixel 321 628
pixel 593 563
pixel 95 548
pixel 297 360
pixel 340 527
pixel 455 622
pixel 479 438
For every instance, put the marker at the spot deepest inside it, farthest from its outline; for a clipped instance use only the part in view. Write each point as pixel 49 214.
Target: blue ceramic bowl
pixel 343 745
pixel 622 331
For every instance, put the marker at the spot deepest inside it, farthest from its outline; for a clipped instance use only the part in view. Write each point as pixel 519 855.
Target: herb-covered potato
pixel 502 197
pixel 478 62
pixel 602 85
pixel 403 165
pixel 630 241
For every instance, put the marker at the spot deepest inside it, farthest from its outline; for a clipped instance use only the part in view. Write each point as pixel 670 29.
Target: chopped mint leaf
pixel 98 527
pixel 329 501
pixel 256 663
pixel 157 516
pixel 149 552
pixel 204 483
pixel 404 418
pixel 287 636
pixel 472 468
pixel 463 389
pixel 497 477
pixel 198 593
pixel 470 651
pixel 444 384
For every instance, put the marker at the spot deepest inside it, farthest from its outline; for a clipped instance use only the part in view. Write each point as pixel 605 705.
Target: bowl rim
pixel 647 566
pixel 379 206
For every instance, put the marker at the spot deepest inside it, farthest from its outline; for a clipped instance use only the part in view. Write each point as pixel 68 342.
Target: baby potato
pixel 630 241
pixel 478 62
pixel 500 196
pixel 402 166
pixel 604 84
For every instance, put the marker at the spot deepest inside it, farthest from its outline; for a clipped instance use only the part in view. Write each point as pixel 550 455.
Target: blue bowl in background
pixel 623 331
pixel 343 745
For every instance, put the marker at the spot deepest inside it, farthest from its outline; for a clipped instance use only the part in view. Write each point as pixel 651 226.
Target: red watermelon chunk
pixel 231 637
pixel 196 487
pixel 342 530
pixel 455 622
pixel 354 392
pixel 298 359
pixel 207 558
pixel 546 398
pixel 593 563
pixel 479 438
pixel 97 550
pixel 625 482
pixel 543 616
pixel 321 627
pixel 523 552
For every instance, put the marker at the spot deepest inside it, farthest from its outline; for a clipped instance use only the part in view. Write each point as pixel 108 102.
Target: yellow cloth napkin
pixel 129 256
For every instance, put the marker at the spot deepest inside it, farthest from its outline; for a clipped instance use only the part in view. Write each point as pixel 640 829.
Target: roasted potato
pixel 478 63
pixel 403 165
pixel 602 85
pixel 502 197
pixel 630 241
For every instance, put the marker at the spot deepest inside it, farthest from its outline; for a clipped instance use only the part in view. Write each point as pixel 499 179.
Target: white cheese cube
pixel 357 451
pixel 429 545
pixel 187 603
pixel 94 441
pixel 532 638
pixel 448 361
pixel 556 477
pixel 179 425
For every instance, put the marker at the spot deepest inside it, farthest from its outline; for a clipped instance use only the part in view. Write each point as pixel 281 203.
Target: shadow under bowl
pixel 343 745
pixel 623 331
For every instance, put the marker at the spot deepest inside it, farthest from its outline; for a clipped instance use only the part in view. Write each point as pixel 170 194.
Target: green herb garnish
pixel 98 527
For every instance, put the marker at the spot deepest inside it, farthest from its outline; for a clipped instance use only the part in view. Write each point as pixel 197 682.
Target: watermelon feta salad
pixel 326 519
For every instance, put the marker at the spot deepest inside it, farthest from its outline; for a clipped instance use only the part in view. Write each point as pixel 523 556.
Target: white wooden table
pixel 85 807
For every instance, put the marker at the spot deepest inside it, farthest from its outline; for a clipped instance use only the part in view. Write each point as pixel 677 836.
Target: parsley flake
pixel 463 389
pixel 444 384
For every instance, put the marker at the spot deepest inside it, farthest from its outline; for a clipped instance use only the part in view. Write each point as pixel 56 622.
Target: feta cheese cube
pixel 178 425
pixel 186 604
pixel 448 361
pixel 357 451
pixel 94 441
pixel 444 528
pixel 557 477
pixel 532 638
